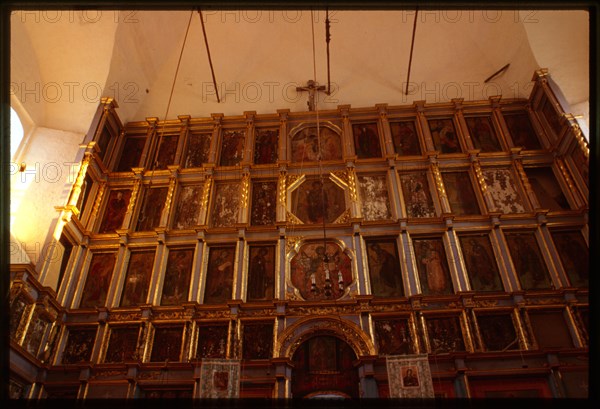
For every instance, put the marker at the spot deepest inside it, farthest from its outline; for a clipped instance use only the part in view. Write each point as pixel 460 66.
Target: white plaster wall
pixel 45 183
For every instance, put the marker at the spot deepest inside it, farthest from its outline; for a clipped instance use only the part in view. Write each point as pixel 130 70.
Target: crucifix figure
pixel 312 88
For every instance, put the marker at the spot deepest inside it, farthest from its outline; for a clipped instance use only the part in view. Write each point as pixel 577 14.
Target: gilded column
pixel 96 206
pixel 76 191
pixel 348 145
pixel 245 197
pixel 283 114
pixel 489 200
pixel 164 219
pixel 579 203
pixel 439 184
pixel 127 220
pixel 385 128
pixel 355 208
pixel 282 195
pixel 247 158
pixel 203 218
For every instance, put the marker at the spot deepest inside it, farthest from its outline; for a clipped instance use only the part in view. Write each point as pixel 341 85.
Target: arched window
pixel 16 132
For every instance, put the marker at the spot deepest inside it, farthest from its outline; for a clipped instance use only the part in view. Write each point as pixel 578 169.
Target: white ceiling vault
pixel 62 62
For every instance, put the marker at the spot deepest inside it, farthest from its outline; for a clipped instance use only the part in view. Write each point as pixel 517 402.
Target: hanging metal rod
pixel 327 39
pixel 412 44
pixel 501 70
pixel 212 71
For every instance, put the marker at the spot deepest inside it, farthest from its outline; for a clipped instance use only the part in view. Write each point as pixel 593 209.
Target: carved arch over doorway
pixel 293 336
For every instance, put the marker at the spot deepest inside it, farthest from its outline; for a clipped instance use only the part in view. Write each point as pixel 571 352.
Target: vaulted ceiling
pixel 62 62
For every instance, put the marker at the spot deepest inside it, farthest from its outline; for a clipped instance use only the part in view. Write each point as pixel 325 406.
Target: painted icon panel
pixel 366 140
pixel 445 335
pixel 98 280
pixel 503 191
pixel 116 206
pixel 264 203
pixel 528 261
pixel 482 133
pixel 417 196
pixel 167 344
pixel 320 272
pixel 187 210
pixel 78 348
pixel 232 147
pixel 443 133
pixel 546 188
pixel 131 153
pixel 393 337
pixel 318 200
pixel 261 273
pixel 226 204
pixel 521 131
pixel 212 341
pixel 432 265
pixel 374 197
pixel 137 279
pixel 166 152
pixel 481 263
pixel 257 341
pixel 152 207
pixel 219 275
pixel 461 195
pixel 405 138
pixel 266 146
pixel 498 332
pixel 305 145
pixel 122 344
pixel 574 256
pixel 384 268
pixel 177 276
pixel 198 149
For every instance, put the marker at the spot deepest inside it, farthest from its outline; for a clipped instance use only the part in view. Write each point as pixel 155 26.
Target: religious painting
pixel 503 191
pixel 405 138
pixel 187 208
pixel 417 196
pixel 461 195
pixel 574 256
pixel 366 140
pixel 550 329
pixel 219 275
pixel 261 273
pixel 443 133
pixel 219 379
pixel 80 343
pixel 98 280
pixel 226 205
pixel 498 332
pixel 318 201
pixel 166 152
pixel 384 268
pixel 212 341
pixel 198 149
pixel 264 203
pixel 122 344
pixel 551 116
pixel 177 276
pixel 152 207
pixel 232 147
pixel 131 153
pixel 375 199
pixel 434 273
pixel 86 188
pixel 167 344
pixel 410 377
pixel 482 133
pixel 528 261
pixel 445 335
pixel 266 144
pixel 521 131
pixel 321 272
pixel 137 280
pixel 581 163
pixel 322 354
pixel 305 145
pixel 546 189
pixel 16 312
pixel 480 262
pixel 257 341
pixel 116 206
pixel 35 332
pixel 393 337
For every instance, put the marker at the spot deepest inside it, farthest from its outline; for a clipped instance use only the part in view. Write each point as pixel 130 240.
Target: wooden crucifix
pixel 312 89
